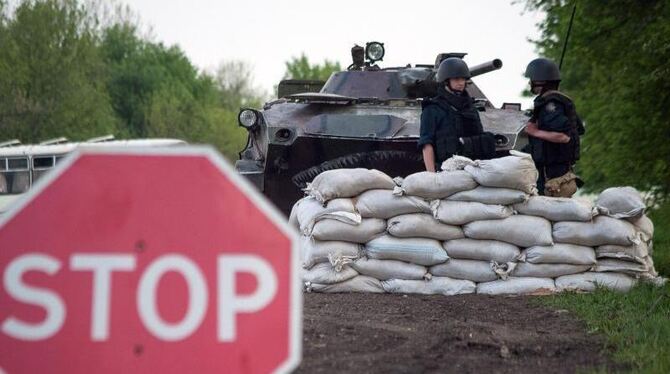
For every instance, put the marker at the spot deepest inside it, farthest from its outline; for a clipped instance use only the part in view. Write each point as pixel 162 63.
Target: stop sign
pixel 147 260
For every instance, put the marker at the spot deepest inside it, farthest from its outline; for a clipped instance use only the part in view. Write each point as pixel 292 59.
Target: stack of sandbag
pixel 477 226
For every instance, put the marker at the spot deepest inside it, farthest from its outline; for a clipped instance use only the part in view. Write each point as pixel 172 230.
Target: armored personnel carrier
pixel 366 116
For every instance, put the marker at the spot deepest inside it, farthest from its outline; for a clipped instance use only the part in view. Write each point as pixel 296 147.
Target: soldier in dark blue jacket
pixel 553 131
pixel 450 122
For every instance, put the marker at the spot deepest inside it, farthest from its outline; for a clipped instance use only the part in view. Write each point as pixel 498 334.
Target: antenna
pixel 567 36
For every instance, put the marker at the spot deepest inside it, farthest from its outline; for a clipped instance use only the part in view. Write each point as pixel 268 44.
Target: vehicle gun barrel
pixel 486 67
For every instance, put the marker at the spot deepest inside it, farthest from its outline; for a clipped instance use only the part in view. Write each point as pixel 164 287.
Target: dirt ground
pixel 371 333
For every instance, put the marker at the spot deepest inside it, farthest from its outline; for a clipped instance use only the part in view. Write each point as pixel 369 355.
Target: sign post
pixel 148 260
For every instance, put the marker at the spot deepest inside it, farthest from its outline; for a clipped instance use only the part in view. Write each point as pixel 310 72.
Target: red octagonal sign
pixel 136 260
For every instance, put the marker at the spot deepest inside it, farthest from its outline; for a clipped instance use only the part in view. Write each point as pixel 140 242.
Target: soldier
pixel 553 131
pixel 450 122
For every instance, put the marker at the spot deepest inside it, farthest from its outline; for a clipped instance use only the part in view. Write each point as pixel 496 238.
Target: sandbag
pixel 644 225
pixel 419 225
pixel 485 250
pixel 589 281
pixel 358 284
pixel 332 184
pixel 383 204
pixel 473 270
pixel 462 212
pixel 390 269
pixel 431 185
pixel 330 229
pixel 525 269
pixel 557 208
pixel 418 251
pixel 308 212
pixel 435 286
pixel 314 251
pixel 523 231
pixel 618 266
pixel 456 162
pixel 491 195
pixel 620 202
pixel 517 286
pixel 559 253
pixel 325 273
pixel 603 230
pixel 516 172
pixel 636 252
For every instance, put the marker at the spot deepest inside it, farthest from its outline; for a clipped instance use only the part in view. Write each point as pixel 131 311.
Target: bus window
pixel 15 175
pixel 41 165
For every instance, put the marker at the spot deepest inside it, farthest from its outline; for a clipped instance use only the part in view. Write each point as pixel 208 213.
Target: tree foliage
pixel 301 68
pixel 616 68
pixel 69 69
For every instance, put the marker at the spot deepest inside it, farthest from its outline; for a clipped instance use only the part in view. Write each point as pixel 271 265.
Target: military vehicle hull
pixel 361 118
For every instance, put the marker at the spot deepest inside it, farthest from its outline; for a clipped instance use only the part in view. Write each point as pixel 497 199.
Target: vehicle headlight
pixel 248 118
pixel 374 51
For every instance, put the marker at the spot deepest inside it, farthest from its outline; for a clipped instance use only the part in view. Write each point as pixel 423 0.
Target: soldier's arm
pixel 554 118
pixel 550 136
pixel 429 157
pixel 427 137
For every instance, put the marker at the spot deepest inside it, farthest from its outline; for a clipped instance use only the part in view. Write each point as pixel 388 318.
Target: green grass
pixel 636 324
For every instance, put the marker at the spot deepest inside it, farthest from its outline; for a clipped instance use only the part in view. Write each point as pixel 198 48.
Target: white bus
pixel 22 165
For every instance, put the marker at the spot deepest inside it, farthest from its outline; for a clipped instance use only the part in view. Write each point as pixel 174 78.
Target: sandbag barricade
pixel 477 227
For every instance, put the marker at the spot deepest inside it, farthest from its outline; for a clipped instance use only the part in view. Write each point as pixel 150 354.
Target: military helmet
pixel 543 69
pixel 452 67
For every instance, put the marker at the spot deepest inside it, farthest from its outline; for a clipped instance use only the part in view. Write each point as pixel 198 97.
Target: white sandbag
pixel 603 230
pixel 308 212
pixel 325 273
pixel 358 284
pixel 525 269
pixel 590 281
pixel 383 204
pixel 476 271
pixel 523 231
pixel 456 162
pixel 332 184
pixel 517 286
pixel 431 185
pixel 618 266
pixel 293 216
pixel 314 251
pixel 620 202
pixel 644 225
pixel 418 251
pixel 635 252
pixel 484 250
pixel 559 253
pixel 420 225
pixel 330 229
pixel 491 195
pixel 435 286
pixel 516 172
pixel 557 208
pixel 462 212
pixel 389 269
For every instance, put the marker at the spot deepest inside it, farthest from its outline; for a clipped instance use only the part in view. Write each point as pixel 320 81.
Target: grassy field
pixel 636 324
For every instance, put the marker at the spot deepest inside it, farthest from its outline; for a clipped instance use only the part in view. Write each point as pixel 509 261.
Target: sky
pixel 265 34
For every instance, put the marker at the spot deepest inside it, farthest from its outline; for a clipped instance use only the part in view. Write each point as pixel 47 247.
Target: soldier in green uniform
pixel 553 131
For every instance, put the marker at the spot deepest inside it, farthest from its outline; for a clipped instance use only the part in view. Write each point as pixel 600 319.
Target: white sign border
pixel 210 153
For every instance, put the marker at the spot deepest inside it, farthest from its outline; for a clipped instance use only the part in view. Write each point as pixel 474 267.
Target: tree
pixel 301 68
pixel 616 68
pixel 234 81
pixel 51 75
